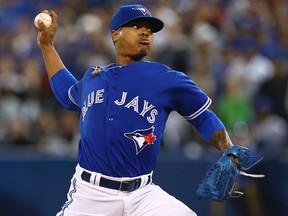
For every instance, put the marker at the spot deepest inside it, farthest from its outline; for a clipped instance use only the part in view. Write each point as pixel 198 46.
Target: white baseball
pixel 46 19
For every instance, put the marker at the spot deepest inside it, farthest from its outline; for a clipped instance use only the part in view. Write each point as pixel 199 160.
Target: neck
pixel 125 60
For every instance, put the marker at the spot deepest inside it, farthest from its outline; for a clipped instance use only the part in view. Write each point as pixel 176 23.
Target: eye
pixel 138 135
pixel 139 26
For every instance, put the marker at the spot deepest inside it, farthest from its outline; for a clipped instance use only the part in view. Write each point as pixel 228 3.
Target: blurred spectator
pixel 269 131
pixel 59 132
pixel 276 88
pixel 232 105
pixel 250 67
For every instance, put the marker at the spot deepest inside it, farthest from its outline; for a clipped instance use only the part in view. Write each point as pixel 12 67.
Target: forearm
pixel 221 140
pixel 52 60
pixel 212 130
pixel 45 40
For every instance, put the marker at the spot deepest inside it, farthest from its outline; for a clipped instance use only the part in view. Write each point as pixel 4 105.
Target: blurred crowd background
pixel 235 50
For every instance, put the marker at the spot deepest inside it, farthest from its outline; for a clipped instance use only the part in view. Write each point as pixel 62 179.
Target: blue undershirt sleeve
pixel 207 123
pixel 60 84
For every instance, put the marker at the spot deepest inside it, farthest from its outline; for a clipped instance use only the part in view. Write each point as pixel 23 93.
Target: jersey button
pixel 114 87
pixel 111 119
pixel 115 76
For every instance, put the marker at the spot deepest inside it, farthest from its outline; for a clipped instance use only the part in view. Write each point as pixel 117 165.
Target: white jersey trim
pixel 70 97
pixel 201 110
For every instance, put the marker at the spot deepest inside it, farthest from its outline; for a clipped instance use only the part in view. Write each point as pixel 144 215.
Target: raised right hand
pixel 46 35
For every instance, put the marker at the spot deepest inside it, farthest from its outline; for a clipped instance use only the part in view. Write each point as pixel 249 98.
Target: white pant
pixel 86 199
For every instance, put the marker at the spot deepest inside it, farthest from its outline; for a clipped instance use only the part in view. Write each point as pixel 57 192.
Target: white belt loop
pixel 143 181
pixel 97 179
pixel 150 179
pixel 146 179
pixel 92 177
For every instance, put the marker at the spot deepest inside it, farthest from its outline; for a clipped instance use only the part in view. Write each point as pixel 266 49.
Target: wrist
pixel 221 140
pixel 46 47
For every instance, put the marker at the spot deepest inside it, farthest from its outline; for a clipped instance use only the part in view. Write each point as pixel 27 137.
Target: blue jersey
pixel 123 114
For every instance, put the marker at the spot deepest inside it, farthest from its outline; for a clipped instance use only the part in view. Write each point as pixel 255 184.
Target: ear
pixel 115 35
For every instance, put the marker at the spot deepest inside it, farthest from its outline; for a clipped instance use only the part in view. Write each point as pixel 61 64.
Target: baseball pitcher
pixel 123 109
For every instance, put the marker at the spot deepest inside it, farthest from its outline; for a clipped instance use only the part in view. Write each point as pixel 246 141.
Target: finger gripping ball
pixel 45 18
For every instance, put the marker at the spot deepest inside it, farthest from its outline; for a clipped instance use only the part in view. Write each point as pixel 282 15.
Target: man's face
pixel 134 39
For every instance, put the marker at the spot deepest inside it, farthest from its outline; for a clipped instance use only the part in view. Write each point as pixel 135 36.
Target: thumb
pixel 41 25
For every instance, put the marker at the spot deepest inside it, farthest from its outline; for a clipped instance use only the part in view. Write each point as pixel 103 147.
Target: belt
pixel 127 186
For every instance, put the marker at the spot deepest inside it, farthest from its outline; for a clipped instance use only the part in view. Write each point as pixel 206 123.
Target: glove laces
pixel 252 175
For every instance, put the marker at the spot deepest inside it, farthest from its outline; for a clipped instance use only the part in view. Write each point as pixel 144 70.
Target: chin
pixel 141 55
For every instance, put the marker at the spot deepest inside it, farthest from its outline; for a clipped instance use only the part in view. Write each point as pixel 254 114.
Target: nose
pixel 145 31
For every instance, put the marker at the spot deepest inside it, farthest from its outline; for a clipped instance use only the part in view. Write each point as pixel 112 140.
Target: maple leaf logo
pixel 150 138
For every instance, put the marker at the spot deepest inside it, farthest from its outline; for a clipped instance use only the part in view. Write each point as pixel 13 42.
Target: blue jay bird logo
pixel 142 9
pixel 142 138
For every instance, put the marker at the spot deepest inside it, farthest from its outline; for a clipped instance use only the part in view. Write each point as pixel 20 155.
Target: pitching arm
pixel 45 40
pixel 62 82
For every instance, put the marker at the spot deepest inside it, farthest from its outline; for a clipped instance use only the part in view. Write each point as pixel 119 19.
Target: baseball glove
pixel 221 179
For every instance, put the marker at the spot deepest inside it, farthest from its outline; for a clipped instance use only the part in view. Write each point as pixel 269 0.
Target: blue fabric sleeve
pixel 207 123
pixel 187 98
pixel 60 84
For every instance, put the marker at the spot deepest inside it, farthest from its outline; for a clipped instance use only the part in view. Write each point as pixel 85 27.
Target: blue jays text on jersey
pixel 123 113
pixel 97 97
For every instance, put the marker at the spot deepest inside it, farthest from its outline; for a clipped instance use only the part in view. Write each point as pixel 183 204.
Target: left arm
pixel 212 130
pixel 192 103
